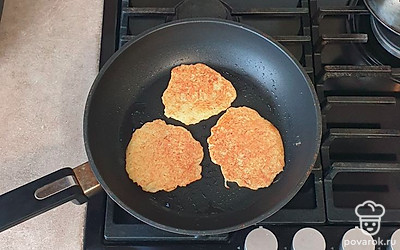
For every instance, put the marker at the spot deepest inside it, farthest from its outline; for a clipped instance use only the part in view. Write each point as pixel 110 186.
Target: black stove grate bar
pixel 307 47
pixel 396 73
pixel 292 39
pixel 271 11
pixel 109 33
pixel 335 71
pixel 338 11
pixel 281 39
pixel 355 133
pixel 141 11
pixel 359 100
pixel 309 71
pixel 126 38
pixel 366 166
pixel 347 215
pixel 136 11
pixel 338 38
pixel 352 133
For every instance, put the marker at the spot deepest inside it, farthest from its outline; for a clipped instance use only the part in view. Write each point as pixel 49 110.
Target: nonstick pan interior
pixel 128 93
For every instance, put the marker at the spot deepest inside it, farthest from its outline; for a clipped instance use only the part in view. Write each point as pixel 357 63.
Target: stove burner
pixel 205 8
pixel 388 39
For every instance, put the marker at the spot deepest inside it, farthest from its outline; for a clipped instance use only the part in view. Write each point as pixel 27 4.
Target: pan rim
pixel 247 28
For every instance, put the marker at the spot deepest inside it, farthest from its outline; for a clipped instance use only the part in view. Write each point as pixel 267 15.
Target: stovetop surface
pixel 357 83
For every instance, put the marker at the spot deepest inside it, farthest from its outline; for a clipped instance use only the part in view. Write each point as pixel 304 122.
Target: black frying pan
pixel 127 93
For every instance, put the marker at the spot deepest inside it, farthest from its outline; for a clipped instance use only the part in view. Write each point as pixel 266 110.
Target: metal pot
pixel 385 23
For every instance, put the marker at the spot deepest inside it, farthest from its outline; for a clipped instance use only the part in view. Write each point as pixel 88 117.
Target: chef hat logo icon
pixel 370 214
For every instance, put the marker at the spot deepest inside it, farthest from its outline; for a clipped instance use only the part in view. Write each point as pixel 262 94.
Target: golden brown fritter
pixel 196 92
pixel 248 148
pixel 163 157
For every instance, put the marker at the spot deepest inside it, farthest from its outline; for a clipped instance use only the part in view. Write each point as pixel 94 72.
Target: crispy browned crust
pixel 196 92
pixel 248 148
pixel 163 157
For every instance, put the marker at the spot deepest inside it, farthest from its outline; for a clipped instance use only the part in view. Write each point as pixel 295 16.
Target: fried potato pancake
pixel 248 148
pixel 196 92
pixel 162 157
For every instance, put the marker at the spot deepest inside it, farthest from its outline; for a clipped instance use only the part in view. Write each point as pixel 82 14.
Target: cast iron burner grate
pixel 361 119
pixel 137 17
pixel 359 157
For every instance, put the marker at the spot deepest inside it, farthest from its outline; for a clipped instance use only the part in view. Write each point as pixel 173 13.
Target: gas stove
pixel 358 85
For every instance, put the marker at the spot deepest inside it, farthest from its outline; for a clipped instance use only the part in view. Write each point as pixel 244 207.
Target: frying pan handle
pixel 43 194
